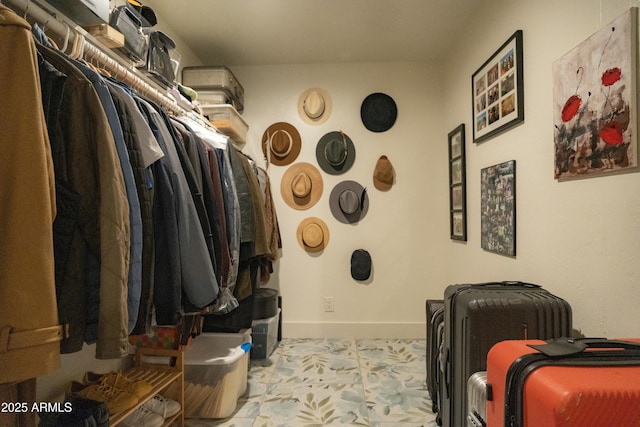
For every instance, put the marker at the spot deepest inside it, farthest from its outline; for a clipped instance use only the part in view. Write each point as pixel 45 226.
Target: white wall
pixel 579 239
pixel 402 230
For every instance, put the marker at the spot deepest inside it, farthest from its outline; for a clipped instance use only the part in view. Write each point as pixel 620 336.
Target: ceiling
pixel 260 32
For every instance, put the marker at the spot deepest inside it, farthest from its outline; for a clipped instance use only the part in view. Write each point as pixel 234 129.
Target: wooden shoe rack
pixel 164 370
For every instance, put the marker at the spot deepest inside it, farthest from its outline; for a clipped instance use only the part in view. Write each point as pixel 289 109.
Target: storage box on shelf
pixel 163 369
pixel 216 367
pixel 227 120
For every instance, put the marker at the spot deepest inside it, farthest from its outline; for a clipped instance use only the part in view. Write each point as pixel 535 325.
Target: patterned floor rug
pixel 335 382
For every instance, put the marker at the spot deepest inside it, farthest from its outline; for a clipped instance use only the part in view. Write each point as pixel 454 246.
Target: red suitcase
pixel 564 382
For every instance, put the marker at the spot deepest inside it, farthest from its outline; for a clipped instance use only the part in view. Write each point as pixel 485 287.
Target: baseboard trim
pixel 355 330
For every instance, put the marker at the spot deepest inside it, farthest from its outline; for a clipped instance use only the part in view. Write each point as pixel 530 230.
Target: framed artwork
pixel 594 102
pixel 457 189
pixel 498 208
pixel 498 91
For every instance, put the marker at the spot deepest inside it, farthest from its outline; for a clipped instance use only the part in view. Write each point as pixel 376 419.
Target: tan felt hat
pixel 301 186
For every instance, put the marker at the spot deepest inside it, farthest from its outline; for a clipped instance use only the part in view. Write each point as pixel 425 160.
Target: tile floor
pixel 336 382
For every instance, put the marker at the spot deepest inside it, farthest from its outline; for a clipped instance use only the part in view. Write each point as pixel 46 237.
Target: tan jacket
pixel 29 331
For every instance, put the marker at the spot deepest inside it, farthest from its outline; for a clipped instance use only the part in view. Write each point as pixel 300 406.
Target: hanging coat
pixel 29 330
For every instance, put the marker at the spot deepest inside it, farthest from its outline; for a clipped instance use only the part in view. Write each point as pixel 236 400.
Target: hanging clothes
pixel 221 146
pixel 94 226
pixel 144 151
pixel 134 284
pixel 29 339
pixel 197 277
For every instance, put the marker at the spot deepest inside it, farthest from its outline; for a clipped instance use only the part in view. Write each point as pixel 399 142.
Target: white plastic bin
pixel 227 120
pixel 215 374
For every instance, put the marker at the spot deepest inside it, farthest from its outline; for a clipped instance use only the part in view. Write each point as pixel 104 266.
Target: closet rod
pixel 93 51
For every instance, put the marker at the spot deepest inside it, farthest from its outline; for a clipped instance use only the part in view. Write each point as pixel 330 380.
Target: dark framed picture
pixel 498 91
pixel 457 185
pixel 498 208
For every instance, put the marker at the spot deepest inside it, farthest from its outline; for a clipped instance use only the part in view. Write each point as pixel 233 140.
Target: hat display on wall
pixel 349 202
pixel 360 264
pixel 335 153
pixel 314 106
pixel 281 143
pixel 301 186
pixel 383 174
pixel 313 234
pixel 378 112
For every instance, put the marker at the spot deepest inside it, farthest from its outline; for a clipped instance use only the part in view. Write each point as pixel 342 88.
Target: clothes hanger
pixel 65 44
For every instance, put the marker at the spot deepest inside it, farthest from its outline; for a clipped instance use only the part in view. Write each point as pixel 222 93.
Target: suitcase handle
pixel 509 283
pixel 563 347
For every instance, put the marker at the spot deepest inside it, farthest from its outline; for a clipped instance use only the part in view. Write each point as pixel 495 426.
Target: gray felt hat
pixel 349 202
pixel 335 153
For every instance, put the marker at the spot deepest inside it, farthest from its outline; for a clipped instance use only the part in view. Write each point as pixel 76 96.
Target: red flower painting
pixel 595 117
pixel 611 132
pixel 611 76
pixel 571 107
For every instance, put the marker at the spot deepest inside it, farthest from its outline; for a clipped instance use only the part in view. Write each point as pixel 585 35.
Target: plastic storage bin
pixel 264 339
pixel 215 374
pixel 227 120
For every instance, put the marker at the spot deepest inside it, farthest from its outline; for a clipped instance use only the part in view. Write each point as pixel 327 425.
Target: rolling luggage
pixel 564 382
pixel 477 316
pixel 210 81
pixel 435 317
pixel 477 400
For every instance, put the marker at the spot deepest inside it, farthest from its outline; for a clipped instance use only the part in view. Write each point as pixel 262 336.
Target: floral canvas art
pixel 594 111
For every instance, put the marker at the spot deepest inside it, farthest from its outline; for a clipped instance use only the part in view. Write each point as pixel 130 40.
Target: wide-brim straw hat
pixel 301 186
pixel 281 143
pixel 314 106
pixel 313 234
pixel 335 153
pixel 349 202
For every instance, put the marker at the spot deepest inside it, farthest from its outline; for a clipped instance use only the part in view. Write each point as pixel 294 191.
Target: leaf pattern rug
pixel 336 382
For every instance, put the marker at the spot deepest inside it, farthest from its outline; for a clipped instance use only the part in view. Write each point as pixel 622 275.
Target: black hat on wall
pixel 360 264
pixel 378 112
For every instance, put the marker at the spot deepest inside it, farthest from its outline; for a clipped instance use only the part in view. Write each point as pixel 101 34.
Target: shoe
pixel 84 413
pixel 142 417
pixel 98 410
pixel 116 400
pixel 164 407
pixel 119 381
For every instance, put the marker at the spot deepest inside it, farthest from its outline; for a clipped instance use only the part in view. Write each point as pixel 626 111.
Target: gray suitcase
pixel 477 400
pixel 477 316
pixel 216 78
pixel 435 318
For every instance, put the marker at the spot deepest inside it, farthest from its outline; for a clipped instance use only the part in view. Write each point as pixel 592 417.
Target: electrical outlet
pixel 329 304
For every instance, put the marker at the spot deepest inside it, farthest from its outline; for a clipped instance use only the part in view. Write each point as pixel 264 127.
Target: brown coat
pixel 29 331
